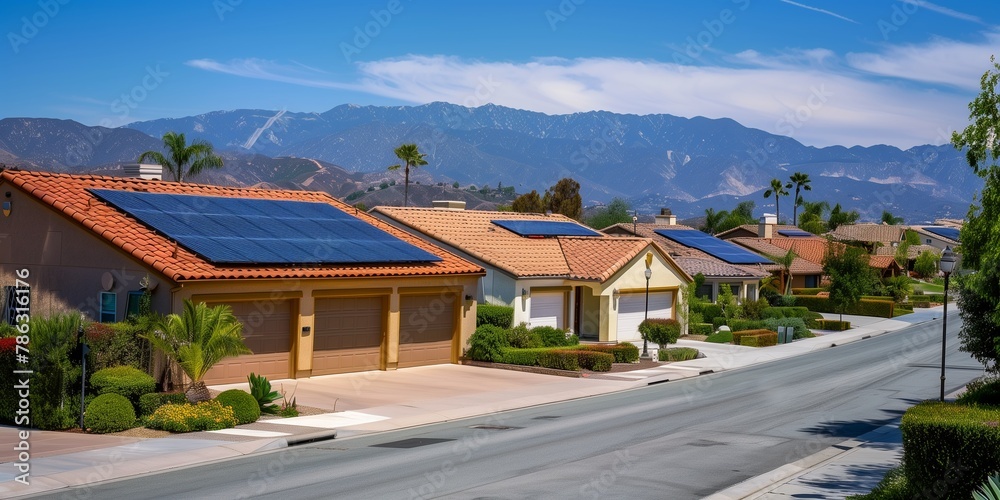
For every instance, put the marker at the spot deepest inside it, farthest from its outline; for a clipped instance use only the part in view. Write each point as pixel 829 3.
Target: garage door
pixel 267 331
pixel 547 309
pixel 426 330
pixel 632 307
pixel 348 335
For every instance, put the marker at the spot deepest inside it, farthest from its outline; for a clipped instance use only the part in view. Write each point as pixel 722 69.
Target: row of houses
pixel 323 288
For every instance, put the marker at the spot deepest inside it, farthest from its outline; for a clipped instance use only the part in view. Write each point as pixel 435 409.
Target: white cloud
pixel 945 11
pixel 940 61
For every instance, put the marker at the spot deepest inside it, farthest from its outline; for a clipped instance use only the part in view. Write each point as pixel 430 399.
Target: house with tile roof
pixel 348 303
pixel 870 236
pixel 743 280
pixel 552 270
pixel 938 236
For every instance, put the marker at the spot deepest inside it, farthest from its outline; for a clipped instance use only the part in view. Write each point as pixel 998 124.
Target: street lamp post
pixel 947 266
pixel 645 314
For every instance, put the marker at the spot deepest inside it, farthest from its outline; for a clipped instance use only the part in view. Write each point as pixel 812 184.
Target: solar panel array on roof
pixel 794 233
pixel 713 246
pixel 951 233
pixel 528 228
pixel 225 230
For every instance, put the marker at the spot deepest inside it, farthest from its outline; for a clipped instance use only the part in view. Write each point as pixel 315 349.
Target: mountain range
pixel 687 164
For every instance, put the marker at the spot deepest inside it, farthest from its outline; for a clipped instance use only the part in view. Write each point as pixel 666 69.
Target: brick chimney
pixel 666 218
pixel 766 228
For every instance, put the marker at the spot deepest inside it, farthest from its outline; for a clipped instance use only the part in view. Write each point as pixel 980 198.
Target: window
pixel 705 291
pixel 928 240
pixel 132 304
pixel 751 292
pixel 109 307
pixel 812 281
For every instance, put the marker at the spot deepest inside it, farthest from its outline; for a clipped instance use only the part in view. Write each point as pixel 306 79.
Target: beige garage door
pixel 267 331
pixel 349 334
pixel 426 329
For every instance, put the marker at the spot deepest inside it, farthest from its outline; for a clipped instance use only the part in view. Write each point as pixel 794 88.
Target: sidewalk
pixel 378 401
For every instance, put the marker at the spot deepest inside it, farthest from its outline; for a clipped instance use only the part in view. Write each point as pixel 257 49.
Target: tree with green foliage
pixel 185 160
pixel 689 301
pixel 838 217
pixel 564 198
pixel 911 237
pixel 528 203
pixel 785 261
pixel 926 264
pixel 902 255
pixel 801 181
pixel 727 301
pixel 897 287
pixel 778 189
pixel 892 220
pixel 455 184
pixel 410 156
pixel 850 275
pixel 197 340
pixel 713 219
pixel 812 216
pixel 618 211
pixel 739 216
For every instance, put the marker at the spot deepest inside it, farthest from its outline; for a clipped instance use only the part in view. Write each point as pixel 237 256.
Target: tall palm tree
pixel 411 157
pixel 197 340
pixel 777 189
pixel 785 261
pixel 800 181
pixel 199 154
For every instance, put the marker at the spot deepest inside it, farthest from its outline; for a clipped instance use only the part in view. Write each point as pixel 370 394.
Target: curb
pixel 311 437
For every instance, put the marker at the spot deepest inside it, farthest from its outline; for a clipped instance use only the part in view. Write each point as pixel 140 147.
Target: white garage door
pixel 632 306
pixel 547 310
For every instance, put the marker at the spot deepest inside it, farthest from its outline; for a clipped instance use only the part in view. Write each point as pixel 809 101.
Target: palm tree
pixel 785 261
pixel 777 189
pixel 713 219
pixel 199 154
pixel 892 220
pixel 197 340
pixel 411 157
pixel 800 181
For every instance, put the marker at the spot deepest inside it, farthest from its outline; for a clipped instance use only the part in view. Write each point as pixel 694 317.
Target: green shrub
pixel 523 357
pixel 806 291
pixel 745 324
pixel 982 392
pixel 148 403
pixel 786 312
pixel 487 343
pixel 710 312
pixel 677 354
pixel 521 337
pixel 892 487
pixel 55 383
pixel 8 363
pixel 594 360
pixel 799 324
pixel 720 337
pixel 739 334
pixel 760 340
pixel 788 300
pixel 865 307
pixel 702 329
pixel 204 416
pixel 109 413
pixel 623 352
pixel 244 406
pixel 116 344
pixel 489 314
pixel 950 449
pixel 771 296
pixel 717 322
pixel 922 304
pixel 125 380
pixel 260 389
pixel 663 331
pixel 552 337
pixel 559 359
pixel 832 325
pixel 934 297
pixel 754 309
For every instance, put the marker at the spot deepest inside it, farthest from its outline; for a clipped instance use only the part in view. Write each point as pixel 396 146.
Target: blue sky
pixel 824 72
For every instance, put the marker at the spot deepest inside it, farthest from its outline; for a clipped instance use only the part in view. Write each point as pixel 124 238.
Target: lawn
pixel 926 287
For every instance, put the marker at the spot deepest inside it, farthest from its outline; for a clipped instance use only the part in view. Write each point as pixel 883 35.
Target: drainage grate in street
pixel 704 443
pixel 411 443
pixel 494 427
pixel 546 417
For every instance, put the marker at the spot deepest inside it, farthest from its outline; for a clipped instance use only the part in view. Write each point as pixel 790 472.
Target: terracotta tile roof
pixel 768 247
pixel 882 261
pixel 911 252
pixel 68 194
pixel 924 234
pixel 868 233
pixel 584 258
pixel 753 230
pixel 692 260
pixel 811 249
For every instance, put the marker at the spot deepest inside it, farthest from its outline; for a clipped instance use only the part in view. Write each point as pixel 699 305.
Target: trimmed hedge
pixel 560 359
pixel 806 291
pixel 554 337
pixel 786 312
pixel 109 413
pixel 760 340
pixel 717 322
pixel 739 334
pixel 487 343
pixel 866 307
pixel 677 354
pixel 923 304
pixel 798 324
pixel 738 325
pixel 148 403
pixel 832 324
pixel 623 352
pixel 127 381
pixel 595 360
pixel 702 329
pixel 489 314
pixel 663 331
pixel 523 357
pixel 950 449
pixel 204 416
pixel 983 392
pixel 244 406
pixel 710 312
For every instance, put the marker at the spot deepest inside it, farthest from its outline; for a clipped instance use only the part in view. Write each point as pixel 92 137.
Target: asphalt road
pixel 679 440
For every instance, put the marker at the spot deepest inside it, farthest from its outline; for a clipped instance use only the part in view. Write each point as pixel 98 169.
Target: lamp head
pixel 947 261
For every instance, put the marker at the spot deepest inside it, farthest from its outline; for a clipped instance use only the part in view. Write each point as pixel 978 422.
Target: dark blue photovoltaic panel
pixel 257 231
pixel 545 228
pixel 951 233
pixel 721 249
pixel 794 233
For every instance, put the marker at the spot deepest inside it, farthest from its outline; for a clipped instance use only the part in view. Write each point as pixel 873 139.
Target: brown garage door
pixel 426 330
pixel 267 331
pixel 348 335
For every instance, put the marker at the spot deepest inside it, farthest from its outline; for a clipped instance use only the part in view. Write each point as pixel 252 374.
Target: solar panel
pixel 226 230
pixel 794 233
pixel 713 246
pixel 529 228
pixel 948 232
